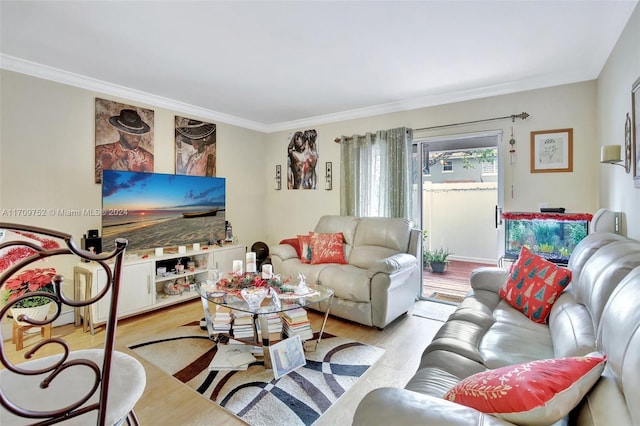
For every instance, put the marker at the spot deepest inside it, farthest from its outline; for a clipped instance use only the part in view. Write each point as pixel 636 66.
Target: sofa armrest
pixel 392 264
pixel 489 278
pixel 284 252
pixel 396 406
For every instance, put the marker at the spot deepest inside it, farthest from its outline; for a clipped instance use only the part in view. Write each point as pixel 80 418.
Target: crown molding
pixel 437 99
pixel 54 74
pixel 49 73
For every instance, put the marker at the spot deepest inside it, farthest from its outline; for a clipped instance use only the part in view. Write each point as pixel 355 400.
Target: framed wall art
pixel 302 154
pixel 195 147
pixel 635 130
pixel 124 138
pixel 552 151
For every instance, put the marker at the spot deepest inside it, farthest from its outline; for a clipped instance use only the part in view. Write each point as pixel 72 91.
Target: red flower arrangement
pixel 234 283
pixel 29 281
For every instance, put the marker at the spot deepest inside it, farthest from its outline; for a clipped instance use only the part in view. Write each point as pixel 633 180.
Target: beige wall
pixel 616 188
pixel 574 106
pixel 47 157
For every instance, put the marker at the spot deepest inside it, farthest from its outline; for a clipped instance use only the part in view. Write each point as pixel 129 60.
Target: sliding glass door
pixel 458 187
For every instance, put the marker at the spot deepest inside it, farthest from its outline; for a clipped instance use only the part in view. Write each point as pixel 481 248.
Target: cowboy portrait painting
pixel 124 138
pixel 195 147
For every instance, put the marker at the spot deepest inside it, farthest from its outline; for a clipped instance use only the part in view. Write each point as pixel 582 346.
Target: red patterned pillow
pixel 534 284
pixel 327 248
pixel 533 393
pixel 305 247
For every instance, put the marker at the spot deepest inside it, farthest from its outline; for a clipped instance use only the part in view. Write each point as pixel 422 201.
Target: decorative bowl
pixel 254 296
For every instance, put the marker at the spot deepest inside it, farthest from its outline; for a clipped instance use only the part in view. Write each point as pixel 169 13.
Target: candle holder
pixel 328 175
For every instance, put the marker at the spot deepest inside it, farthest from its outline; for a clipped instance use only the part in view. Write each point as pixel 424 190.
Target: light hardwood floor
pixel 166 401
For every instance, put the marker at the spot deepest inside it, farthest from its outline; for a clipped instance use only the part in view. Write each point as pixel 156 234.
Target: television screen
pixel 161 210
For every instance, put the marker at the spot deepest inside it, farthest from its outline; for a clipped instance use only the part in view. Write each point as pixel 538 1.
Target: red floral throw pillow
pixel 327 248
pixel 534 284
pixel 305 247
pixel 533 393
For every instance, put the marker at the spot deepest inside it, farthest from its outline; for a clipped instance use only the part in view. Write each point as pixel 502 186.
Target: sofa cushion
pixel 535 393
pixel 432 381
pixel 534 285
pixel 327 248
pixel 587 247
pixel 602 273
pixel 330 224
pixel 378 238
pixel 513 339
pixel 348 282
pixel 571 328
pixel 618 336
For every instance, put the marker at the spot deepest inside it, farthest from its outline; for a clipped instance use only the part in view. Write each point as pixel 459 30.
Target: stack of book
pixel 275 327
pixel 242 325
pixel 221 321
pixel 294 322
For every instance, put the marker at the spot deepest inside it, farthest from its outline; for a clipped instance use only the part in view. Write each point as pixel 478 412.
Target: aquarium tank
pixel 549 235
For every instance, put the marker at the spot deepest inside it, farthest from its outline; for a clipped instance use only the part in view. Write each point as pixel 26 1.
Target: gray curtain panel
pixel 375 174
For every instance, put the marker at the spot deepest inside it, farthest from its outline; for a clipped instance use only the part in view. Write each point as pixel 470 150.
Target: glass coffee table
pixel 280 303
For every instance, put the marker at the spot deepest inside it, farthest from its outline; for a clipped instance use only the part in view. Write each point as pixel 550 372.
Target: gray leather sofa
pixel 381 279
pixel 597 312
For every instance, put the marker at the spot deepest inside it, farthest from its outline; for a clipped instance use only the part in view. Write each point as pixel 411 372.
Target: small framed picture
pixel 552 151
pixel 287 355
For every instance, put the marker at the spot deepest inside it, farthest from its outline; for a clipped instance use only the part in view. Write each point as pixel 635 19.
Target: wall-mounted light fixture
pixel 278 177
pixel 612 154
pixel 328 176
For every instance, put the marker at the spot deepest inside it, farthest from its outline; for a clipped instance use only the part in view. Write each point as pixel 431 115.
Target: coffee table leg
pixel 207 316
pixel 264 331
pixel 312 346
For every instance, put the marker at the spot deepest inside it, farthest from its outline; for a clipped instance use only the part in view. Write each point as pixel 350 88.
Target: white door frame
pixel 439 143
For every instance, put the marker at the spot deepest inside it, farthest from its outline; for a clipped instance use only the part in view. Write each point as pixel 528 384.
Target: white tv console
pixel 141 289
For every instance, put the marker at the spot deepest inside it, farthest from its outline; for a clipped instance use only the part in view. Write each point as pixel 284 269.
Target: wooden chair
pixel 57 383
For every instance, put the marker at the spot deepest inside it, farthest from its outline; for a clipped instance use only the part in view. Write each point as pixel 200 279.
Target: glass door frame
pixel 419 142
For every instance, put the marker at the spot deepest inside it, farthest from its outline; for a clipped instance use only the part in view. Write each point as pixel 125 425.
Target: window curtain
pixel 375 174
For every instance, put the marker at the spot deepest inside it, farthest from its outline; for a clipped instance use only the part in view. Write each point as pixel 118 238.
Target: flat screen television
pixel 161 210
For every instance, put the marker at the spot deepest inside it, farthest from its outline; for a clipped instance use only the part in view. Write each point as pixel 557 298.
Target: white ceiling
pixel 274 65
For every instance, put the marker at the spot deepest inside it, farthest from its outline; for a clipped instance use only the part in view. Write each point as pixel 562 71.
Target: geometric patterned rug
pixel 254 395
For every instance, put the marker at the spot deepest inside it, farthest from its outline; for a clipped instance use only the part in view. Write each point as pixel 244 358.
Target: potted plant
pixel 29 281
pixel 438 259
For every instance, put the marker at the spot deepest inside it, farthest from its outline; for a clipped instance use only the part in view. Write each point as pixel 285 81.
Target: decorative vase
pixel 38 313
pixel 253 296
